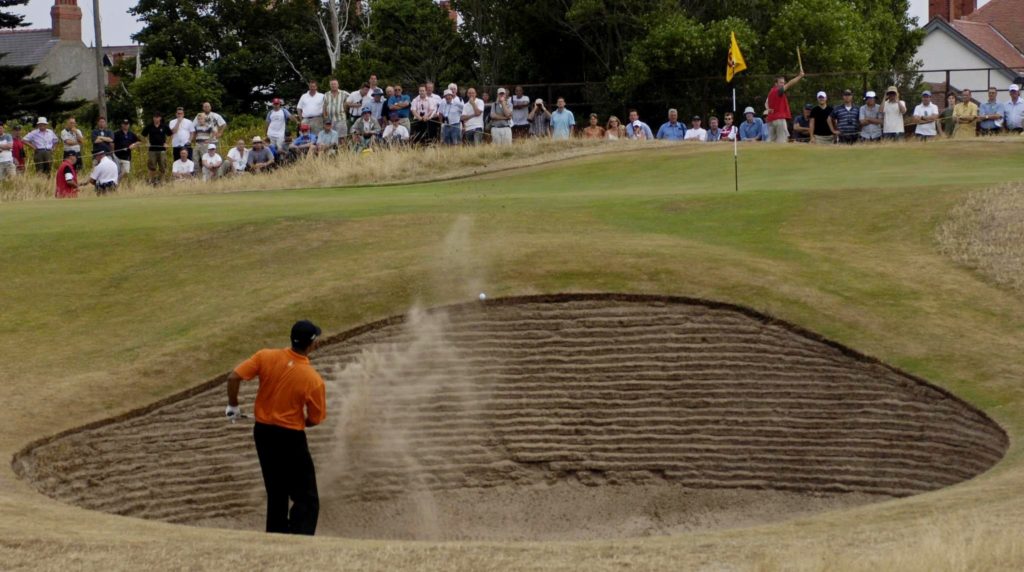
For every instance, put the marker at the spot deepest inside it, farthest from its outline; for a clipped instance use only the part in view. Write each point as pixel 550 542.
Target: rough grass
pixel 986 232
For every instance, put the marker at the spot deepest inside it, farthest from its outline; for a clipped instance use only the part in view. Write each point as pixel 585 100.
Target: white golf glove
pixel 232 412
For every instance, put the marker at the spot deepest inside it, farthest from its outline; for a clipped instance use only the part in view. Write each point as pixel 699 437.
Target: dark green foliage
pixel 166 86
pixel 25 96
pixel 9 20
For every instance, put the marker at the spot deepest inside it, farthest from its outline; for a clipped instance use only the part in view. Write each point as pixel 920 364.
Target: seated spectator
pixel 822 124
pixel 303 144
pixel 637 131
pixel 212 162
pixel 729 130
pixel 183 168
pixel 802 125
pixel 104 173
pixel 614 129
pixel 260 158
pixel 238 157
pixel 634 122
pixel 365 130
pixel 395 133
pixel 846 118
pixel 593 130
pixel 714 133
pixel 927 117
pixel 672 130
pixel 696 132
pixel 990 114
pixel 540 119
pixel 327 140
pixel 752 129
pixel 871 118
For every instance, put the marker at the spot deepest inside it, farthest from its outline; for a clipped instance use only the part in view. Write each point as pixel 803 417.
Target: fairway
pixel 111 305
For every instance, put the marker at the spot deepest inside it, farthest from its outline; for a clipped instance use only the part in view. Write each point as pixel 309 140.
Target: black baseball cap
pixel 304 333
pixel 808 106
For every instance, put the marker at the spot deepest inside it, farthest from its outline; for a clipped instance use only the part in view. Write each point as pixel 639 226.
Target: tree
pixel 165 86
pixel 9 20
pixel 182 30
pixel 337 33
pixel 26 96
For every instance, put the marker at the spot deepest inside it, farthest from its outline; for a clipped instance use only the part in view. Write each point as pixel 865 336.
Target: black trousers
pixel 288 474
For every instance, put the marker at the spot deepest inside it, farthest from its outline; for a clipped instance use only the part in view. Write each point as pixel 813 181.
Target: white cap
pixel 453 87
pixel 748 110
pixel 502 90
pixel 822 94
pixel 1014 87
pixel 636 123
pixel 870 94
pixel 211 146
pixel 257 139
pixel 42 120
pixel 448 92
pixel 538 101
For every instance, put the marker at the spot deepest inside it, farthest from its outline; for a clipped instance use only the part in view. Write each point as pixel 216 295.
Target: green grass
pixel 109 304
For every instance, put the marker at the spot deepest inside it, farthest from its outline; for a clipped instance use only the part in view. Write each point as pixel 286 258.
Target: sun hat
pixel 892 89
pixel 257 139
pixel 822 94
pixel 304 332
pixel 870 94
pixel 42 121
pixel 211 146
pixel 367 110
pixel 378 91
pixel 502 90
pixel 1014 87
pixel 748 110
pixel 449 92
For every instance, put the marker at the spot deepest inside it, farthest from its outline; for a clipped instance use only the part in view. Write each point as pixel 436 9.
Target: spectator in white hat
pixel 823 130
pixel 540 119
pixel 450 113
pixel 212 162
pixel 634 122
pixel 871 118
pixel 1013 111
pixel 752 128
pixel 42 140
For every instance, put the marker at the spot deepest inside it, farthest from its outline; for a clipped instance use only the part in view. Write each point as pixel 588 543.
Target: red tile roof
pixel 1006 16
pixel 991 41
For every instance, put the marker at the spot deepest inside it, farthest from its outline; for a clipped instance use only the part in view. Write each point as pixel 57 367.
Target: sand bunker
pixel 556 417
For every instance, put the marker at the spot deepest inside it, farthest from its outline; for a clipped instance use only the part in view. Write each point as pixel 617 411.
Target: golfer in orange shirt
pixel 291 397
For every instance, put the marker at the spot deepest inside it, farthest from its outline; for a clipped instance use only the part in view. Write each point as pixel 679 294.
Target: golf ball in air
pixel 483 296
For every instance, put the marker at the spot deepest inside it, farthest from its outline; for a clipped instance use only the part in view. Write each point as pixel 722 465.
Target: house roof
pixel 26 47
pixel 1006 16
pixel 988 38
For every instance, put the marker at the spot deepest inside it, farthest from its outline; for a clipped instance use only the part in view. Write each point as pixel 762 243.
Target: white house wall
pixel 66 60
pixel 941 51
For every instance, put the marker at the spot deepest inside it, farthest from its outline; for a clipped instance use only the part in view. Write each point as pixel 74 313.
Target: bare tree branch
pixel 280 49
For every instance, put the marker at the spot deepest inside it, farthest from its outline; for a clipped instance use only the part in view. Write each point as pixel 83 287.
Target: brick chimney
pixel 67 20
pixel 951 9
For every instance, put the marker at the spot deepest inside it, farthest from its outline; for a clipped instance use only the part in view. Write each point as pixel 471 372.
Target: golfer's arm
pixel 234 382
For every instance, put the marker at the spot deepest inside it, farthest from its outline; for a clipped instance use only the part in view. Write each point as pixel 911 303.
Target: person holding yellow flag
pixel 777 108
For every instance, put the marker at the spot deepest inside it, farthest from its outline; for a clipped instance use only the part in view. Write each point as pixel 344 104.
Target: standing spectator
pixel 822 130
pixel 434 126
pixel 451 113
pixel 752 128
pixel 594 130
pixel 672 130
pixel 473 118
pixel 67 178
pixel 357 101
pixel 334 108
pixel 399 103
pixel 802 125
pixel 377 103
pixel 454 88
pixel 501 119
pixel 946 119
pixel 486 98
pixel 104 172
pixel 614 130
pixel 540 119
pixel 42 140
pixel 520 114
pixel 563 122
pixel 437 99
pixel 7 168
pixel 303 144
pixel 846 119
pixel 218 122
pixel 327 140
pixel 730 131
pixel 385 112
pixel 18 150
pixel 372 82
pixel 260 158
pixel 1013 111
pixel 310 109
pixel 696 132
pixel 365 131
pixel 777 106
pixel 102 138
pixel 990 112
pixel 277 124
pixel 714 133
pixel 184 168
pixel 966 114
pixel 124 141
pixel 202 136
pixel 212 162
pixel 634 122
pixel 870 118
pixel 927 118
pixel 395 133
pixel 182 131
pixel 423 113
pixel 238 157
pixel 72 138
pixel 156 134
pixel 893 110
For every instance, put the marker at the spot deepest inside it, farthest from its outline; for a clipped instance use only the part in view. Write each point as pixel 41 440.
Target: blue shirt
pixel 752 131
pixel 562 120
pixel 396 99
pixel 987 108
pixel 847 119
pixel 451 111
pixel 714 135
pixel 645 127
pixel 671 132
pixel 304 139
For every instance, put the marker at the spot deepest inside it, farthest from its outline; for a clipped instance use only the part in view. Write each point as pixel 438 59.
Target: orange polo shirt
pixel 290 389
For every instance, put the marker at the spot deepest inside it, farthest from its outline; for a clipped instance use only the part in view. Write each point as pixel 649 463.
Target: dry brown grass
pixel 986 232
pixel 391 166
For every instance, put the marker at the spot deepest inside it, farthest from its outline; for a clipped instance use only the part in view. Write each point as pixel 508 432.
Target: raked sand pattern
pixel 549 417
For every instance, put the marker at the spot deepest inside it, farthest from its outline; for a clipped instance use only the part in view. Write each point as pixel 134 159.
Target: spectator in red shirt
pixel 777 107
pixel 67 178
pixel 18 149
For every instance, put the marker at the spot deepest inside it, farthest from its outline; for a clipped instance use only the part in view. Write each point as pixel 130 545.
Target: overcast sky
pixel 118 26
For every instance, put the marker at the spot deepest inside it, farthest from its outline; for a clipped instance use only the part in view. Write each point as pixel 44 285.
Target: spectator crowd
pixel 373 118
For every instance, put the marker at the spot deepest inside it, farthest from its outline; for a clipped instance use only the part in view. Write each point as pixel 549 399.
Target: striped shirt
pixel 334 105
pixel 45 140
pixel 424 107
pixel 847 119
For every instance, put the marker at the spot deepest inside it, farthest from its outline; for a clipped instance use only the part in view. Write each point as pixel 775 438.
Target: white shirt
pixel 238 158
pixel 930 111
pixel 892 120
pixel 105 171
pixel 311 105
pixel 696 134
pixel 520 116
pixel 399 132
pixel 184 135
pixel 473 121
pixel 6 156
pixel 210 164
pixel 278 122
pixel 185 167
pixel 362 100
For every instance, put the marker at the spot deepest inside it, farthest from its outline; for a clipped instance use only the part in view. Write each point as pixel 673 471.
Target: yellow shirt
pixel 965 110
pixel 290 389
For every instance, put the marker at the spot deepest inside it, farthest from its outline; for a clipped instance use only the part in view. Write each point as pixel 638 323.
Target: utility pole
pixel 101 73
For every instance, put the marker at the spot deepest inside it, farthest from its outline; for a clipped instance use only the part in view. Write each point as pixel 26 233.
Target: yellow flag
pixel 736 63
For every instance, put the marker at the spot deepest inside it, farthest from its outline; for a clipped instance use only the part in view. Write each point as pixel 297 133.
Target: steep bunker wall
pixel 549 417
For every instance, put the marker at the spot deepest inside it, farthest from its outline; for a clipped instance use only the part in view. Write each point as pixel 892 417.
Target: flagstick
pixel 735 144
